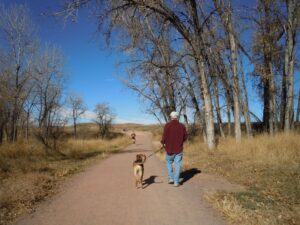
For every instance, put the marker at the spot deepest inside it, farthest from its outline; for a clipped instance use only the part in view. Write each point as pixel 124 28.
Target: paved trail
pixel 105 195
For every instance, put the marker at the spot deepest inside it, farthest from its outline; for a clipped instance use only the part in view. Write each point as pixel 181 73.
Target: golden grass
pixel 85 148
pixel 268 166
pixel 28 175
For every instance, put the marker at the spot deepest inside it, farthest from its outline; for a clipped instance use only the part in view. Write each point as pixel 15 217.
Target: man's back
pixel 173 137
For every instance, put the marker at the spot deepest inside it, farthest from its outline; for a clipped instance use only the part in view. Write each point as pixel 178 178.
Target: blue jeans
pixel 177 160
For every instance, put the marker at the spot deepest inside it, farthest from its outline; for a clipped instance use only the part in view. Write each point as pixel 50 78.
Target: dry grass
pixel 155 128
pixel 28 175
pixel 268 166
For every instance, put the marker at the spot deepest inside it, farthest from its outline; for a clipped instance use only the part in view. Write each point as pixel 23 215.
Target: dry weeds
pixel 28 175
pixel 268 166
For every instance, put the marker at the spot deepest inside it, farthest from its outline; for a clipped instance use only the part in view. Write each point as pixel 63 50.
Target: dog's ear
pixel 143 157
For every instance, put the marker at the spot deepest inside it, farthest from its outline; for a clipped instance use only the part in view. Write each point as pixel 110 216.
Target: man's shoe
pixel 170 181
pixel 176 185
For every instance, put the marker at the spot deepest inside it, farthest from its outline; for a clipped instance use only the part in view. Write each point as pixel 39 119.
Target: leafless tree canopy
pixel 199 58
pixel 104 118
pixel 78 109
pixel 31 80
pixel 190 56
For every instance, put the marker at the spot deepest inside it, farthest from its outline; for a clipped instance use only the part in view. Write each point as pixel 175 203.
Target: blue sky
pixel 91 69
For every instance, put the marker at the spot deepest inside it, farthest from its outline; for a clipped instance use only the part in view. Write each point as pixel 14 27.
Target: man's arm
pixel 163 138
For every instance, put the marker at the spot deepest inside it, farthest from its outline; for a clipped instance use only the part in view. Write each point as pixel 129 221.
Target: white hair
pixel 174 115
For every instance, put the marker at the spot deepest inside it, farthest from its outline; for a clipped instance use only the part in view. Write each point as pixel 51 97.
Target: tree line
pixel 200 58
pixel 33 84
pixel 196 57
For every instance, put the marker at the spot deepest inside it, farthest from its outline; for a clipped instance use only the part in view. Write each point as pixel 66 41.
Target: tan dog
pixel 138 169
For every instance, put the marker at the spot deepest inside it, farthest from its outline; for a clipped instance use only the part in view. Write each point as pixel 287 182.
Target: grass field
pixel 268 167
pixel 28 174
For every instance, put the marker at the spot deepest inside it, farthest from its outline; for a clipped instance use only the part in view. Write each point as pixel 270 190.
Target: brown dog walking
pixel 138 170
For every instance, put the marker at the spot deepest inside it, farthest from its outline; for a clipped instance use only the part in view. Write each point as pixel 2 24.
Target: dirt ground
pixel 105 194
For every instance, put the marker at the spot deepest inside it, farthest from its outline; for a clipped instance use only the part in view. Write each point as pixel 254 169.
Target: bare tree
pixel 245 102
pixel 190 31
pixel 104 118
pixel 78 108
pixel 184 55
pixel 20 41
pixel 291 27
pixel 50 81
pixel 225 12
pixel 267 48
pixel 4 103
pixel 31 80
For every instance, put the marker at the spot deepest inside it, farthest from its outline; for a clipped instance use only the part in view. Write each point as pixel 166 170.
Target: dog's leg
pixel 142 175
pixel 136 183
pixel 141 181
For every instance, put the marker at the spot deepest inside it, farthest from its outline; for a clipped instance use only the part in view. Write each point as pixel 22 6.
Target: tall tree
pixel 19 45
pixel 291 26
pixel 50 82
pixel 78 109
pixel 225 11
pixel 191 31
pixel 104 118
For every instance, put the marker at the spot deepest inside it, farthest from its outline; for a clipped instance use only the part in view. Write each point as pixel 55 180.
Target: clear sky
pixel 91 69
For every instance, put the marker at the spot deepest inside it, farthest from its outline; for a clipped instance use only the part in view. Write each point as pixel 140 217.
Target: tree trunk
pixel 226 18
pixel 228 107
pixel 1 132
pixel 228 97
pixel 170 91
pixel 233 55
pixel 298 109
pixel 217 106
pixel 75 129
pixel 272 102
pixel 14 127
pixel 289 61
pixel 283 101
pixel 199 116
pixel 245 104
pixel 75 123
pixel 266 99
pixel 209 121
pixel 183 107
pixel 27 126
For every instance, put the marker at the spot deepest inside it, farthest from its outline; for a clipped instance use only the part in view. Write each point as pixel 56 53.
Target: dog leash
pixel 154 152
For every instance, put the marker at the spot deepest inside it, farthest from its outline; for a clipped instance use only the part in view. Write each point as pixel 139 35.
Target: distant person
pixel 133 137
pixel 172 140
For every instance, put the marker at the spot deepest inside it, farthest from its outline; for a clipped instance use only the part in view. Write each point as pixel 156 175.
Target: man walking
pixel 173 137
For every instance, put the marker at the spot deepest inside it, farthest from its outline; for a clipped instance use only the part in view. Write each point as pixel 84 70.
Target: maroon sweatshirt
pixel 173 137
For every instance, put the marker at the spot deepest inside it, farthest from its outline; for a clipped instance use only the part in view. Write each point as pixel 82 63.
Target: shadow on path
pixel 150 180
pixel 188 174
